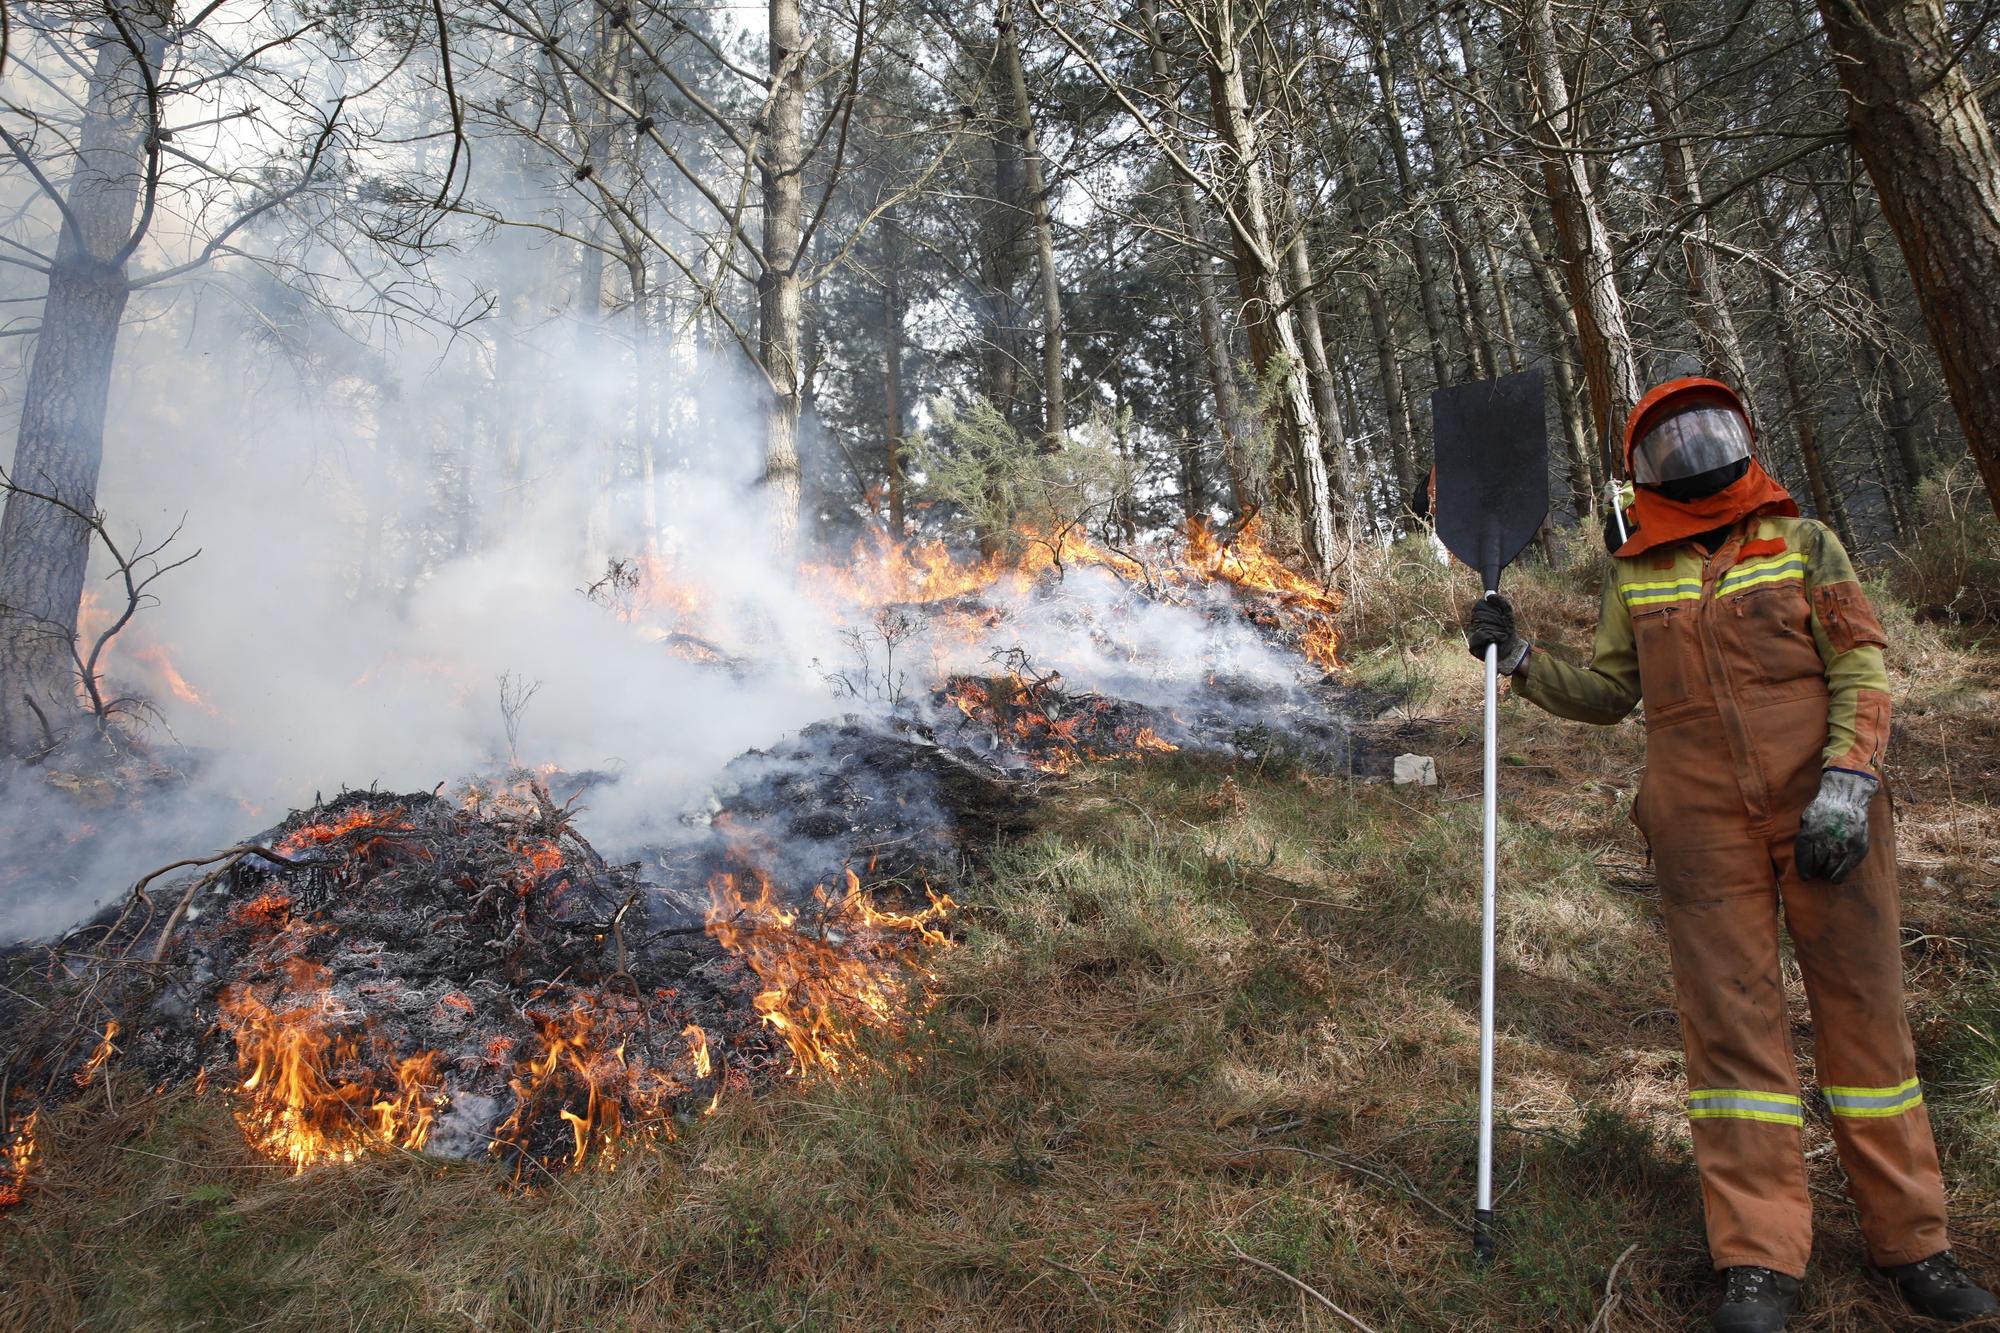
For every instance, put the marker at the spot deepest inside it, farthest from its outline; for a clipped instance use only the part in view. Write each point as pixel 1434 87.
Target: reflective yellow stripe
pixel 1772 1108
pixel 1875 1101
pixel 1671 590
pixel 1753 572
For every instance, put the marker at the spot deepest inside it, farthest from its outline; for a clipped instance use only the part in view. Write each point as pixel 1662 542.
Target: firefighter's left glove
pixel 1833 832
pixel 1490 622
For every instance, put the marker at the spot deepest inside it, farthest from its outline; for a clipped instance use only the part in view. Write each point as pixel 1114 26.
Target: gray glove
pixel 1491 621
pixel 1833 832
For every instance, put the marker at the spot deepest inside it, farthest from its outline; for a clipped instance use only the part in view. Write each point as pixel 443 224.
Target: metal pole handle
pixel 1482 1217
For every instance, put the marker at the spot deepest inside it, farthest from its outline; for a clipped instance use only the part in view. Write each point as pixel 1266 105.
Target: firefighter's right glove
pixel 1833 832
pixel 1490 621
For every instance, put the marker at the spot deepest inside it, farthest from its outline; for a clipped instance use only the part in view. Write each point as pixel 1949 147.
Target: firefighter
pixel 1742 628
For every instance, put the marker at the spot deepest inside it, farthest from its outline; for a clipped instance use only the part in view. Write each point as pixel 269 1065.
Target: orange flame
pixel 697 1041
pixel 360 817
pixel 98 1056
pixel 17 1160
pixel 301 1101
pixel 824 988
pixel 574 1067
pixel 1304 606
pixel 881 570
pixel 155 656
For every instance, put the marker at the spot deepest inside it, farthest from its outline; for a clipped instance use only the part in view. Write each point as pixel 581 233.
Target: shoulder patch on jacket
pixel 1849 620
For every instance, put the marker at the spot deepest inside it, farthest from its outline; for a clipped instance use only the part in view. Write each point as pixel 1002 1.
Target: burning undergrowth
pixel 467 975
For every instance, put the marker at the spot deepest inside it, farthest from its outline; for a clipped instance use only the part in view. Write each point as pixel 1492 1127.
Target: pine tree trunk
pixel 1899 415
pixel 1473 146
pixel 1001 253
pixel 1388 365
pixel 1918 126
pixel 1472 329
pixel 778 307
pixel 1866 357
pixel 1392 132
pixel 892 389
pixel 1054 409
pixel 1274 341
pixel 1586 477
pixel 1610 366
pixel 1708 302
pixel 44 551
pixel 1245 492
pixel 1319 373
pixel 1826 500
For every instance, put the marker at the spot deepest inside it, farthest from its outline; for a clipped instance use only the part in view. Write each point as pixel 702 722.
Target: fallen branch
pixel 1611 1298
pixel 139 895
pixel 1237 1250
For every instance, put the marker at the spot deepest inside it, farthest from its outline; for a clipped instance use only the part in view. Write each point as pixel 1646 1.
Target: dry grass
pixel 1201 1007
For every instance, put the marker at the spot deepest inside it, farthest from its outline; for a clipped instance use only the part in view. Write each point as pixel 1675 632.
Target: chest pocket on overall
pixel 1662 633
pixel 1763 606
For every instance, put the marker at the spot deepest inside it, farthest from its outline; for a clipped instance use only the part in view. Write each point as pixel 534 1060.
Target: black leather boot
pixel 1755 1301
pixel 1938 1287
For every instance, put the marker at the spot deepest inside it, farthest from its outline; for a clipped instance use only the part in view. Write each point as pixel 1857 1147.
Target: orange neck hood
pixel 1658 521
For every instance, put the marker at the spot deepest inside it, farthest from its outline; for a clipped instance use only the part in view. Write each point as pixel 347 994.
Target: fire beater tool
pixel 1492 450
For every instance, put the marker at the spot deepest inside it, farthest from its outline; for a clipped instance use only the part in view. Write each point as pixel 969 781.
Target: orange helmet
pixel 1684 428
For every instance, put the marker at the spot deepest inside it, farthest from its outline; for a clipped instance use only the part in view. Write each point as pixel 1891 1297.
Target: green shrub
pixel 1951 569
pixel 1000 484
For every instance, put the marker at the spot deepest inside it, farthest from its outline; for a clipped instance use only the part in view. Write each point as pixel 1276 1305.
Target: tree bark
pixel 1918 127
pixel 1586 477
pixel 1001 251
pixel 892 390
pixel 1472 330
pixel 778 306
pixel 1610 366
pixel 1708 301
pixel 1899 414
pixel 1054 409
pixel 1388 364
pixel 44 551
pixel 1274 342
pixel 1319 367
pixel 1245 493
pixel 1474 146
pixel 1392 132
pixel 1826 500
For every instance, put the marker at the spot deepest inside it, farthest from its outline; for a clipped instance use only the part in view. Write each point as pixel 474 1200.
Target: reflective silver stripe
pixel 1874 1101
pixel 1743 1104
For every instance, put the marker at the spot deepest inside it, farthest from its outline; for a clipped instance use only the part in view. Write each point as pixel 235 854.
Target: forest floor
pixel 1209 1027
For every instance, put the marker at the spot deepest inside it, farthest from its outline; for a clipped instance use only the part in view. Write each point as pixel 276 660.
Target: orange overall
pixel 1759 666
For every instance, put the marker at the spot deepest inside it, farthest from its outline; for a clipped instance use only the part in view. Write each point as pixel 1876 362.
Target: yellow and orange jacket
pixel 1763 661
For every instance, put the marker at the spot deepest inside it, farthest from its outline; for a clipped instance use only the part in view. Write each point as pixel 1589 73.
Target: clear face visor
pixel 1689 443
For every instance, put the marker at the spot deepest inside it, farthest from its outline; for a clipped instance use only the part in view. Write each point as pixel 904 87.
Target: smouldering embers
pixel 17 1159
pixel 1051 730
pixel 846 971
pixel 319 1083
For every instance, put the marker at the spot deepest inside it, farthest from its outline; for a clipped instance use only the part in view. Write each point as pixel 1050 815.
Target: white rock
pixel 1418 768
